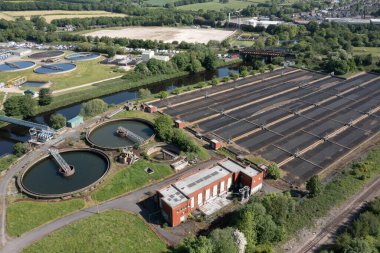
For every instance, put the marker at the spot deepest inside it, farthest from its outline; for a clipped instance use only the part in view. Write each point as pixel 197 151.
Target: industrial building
pixel 205 188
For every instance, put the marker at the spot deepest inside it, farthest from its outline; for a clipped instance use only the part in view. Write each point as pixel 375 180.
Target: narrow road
pixel 128 202
pixel 348 209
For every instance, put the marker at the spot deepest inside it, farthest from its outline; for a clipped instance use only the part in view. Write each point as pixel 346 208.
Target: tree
pixel 93 107
pixel 192 244
pixel 20 149
pixel 57 121
pixel 44 96
pixel 163 94
pixel 273 171
pixel 12 106
pixel 270 67
pixel 144 93
pixel 27 106
pixel 210 62
pixel 163 125
pixel 111 51
pixel 223 240
pixel 240 240
pixel 314 186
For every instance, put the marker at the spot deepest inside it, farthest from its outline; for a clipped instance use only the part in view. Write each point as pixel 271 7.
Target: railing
pixel 131 135
pixel 61 162
pixel 26 123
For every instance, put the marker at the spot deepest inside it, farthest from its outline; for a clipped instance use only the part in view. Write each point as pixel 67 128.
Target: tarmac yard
pixel 302 120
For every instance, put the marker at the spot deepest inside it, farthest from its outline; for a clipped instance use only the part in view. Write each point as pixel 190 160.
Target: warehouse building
pixel 201 190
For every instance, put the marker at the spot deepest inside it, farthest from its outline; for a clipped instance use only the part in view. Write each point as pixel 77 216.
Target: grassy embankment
pixel 24 216
pixel 86 72
pixel 131 178
pixel 109 87
pixel 344 186
pixel 7 161
pixel 111 231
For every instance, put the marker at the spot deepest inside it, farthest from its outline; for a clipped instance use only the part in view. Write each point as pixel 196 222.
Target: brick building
pixel 181 198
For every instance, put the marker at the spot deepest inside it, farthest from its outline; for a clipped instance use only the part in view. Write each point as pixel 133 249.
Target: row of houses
pixel 202 189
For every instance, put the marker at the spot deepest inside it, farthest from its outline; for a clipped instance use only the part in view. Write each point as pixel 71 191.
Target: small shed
pixel 74 122
pixel 215 144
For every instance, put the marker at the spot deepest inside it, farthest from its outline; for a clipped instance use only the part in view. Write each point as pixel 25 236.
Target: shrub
pixel 57 121
pixel 20 149
pixel 93 107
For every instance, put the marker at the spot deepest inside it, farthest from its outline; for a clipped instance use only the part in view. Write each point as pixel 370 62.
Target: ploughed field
pixel 304 121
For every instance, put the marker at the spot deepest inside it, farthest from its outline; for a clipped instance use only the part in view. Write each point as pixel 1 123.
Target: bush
pixel 144 93
pixel 45 96
pixel 57 121
pixel 314 186
pixel 273 171
pixel 215 81
pixel 20 149
pixel 93 107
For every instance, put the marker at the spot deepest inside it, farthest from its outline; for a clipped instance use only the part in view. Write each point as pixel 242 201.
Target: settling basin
pixel 104 135
pixel 43 180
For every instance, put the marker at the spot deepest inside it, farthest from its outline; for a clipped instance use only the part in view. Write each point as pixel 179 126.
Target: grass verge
pixel 111 231
pixel 131 178
pixel 135 114
pixel 24 216
pixel 7 161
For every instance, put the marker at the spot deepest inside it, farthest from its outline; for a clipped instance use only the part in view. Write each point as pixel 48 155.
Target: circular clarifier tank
pixel 58 68
pixel 82 56
pixel 47 54
pixel 44 180
pixel 106 135
pixel 16 66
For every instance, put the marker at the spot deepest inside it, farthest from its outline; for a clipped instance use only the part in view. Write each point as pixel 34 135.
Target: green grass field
pixel 111 231
pixel 86 72
pixel 136 114
pixel 215 5
pixel 24 216
pixel 131 178
pixel 50 15
pixel 375 51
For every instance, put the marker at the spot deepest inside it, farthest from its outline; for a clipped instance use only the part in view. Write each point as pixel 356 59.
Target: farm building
pixel 205 189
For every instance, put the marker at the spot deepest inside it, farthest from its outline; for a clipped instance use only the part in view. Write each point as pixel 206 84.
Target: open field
pixel 302 120
pixel 23 216
pixel 375 51
pixel 111 231
pixel 86 72
pixel 131 178
pixel 57 14
pixel 166 34
pixel 216 5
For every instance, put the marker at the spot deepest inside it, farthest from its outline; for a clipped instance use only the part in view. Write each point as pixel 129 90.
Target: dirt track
pixel 166 34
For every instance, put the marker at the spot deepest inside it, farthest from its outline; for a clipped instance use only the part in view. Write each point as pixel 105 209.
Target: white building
pixel 265 23
pixel 22 52
pixel 147 55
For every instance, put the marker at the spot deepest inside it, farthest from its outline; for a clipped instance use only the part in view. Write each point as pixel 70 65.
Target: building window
pixel 215 191
pixel 200 199
pixel 192 202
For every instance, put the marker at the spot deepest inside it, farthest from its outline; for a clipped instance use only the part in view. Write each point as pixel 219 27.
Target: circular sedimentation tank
pixel 43 179
pixel 82 56
pixel 58 68
pixel 16 66
pixel 47 54
pixel 105 135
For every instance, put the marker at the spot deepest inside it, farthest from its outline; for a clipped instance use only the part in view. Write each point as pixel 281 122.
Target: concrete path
pixel 4 99
pixel 85 85
pixel 128 202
